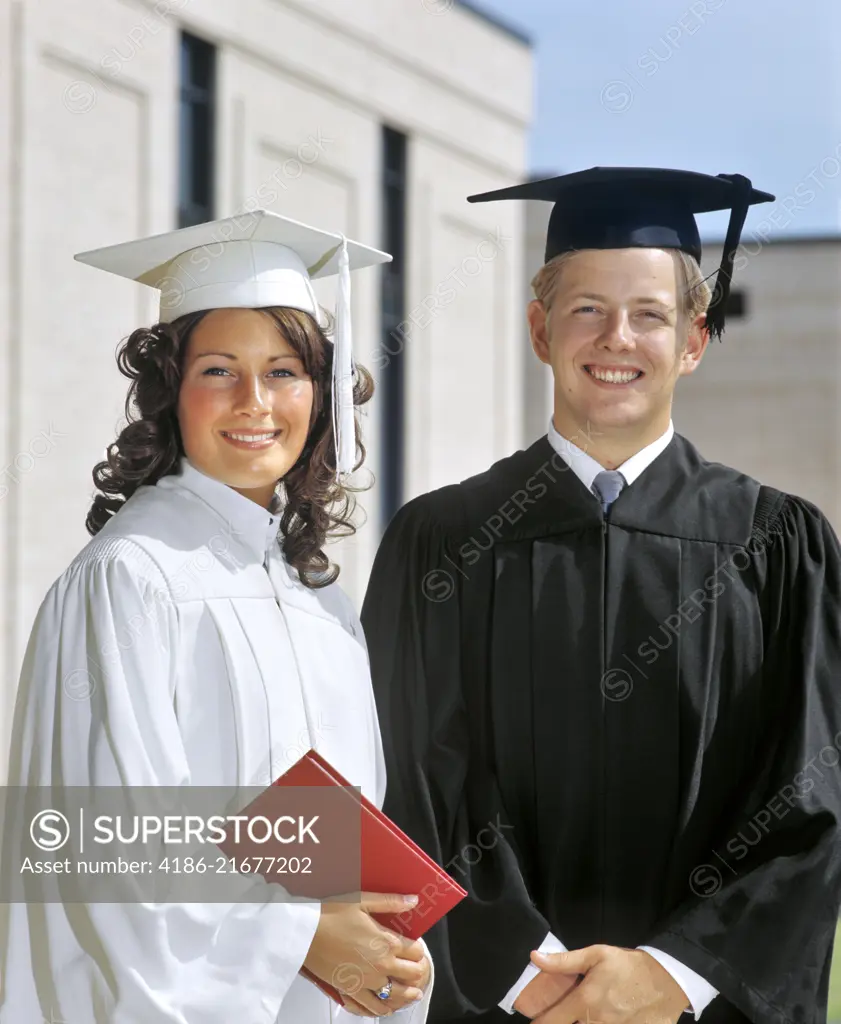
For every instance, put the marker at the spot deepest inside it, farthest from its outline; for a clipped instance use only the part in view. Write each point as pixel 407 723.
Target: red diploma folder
pixel 391 861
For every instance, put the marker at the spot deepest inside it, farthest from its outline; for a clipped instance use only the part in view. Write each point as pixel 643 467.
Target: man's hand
pixel 544 991
pixel 620 986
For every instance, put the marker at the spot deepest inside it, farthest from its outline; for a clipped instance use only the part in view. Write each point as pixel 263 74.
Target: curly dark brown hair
pixel 149 447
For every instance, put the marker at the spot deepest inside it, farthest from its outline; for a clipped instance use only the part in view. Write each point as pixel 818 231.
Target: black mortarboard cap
pixel 650 207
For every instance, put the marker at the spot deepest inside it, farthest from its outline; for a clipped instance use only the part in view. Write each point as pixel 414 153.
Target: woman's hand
pixel 357 955
pixel 352 1006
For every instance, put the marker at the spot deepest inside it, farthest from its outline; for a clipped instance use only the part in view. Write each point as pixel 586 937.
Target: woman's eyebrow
pixel 230 355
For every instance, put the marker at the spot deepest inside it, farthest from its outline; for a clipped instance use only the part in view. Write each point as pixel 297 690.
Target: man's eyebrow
pixel 651 300
pixel 646 299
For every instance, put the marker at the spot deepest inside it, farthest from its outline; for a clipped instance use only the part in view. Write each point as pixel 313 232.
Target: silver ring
pixel 385 992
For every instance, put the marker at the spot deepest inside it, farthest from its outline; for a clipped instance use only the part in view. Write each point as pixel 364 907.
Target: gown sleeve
pixel 759 919
pixel 441 789
pixel 96 707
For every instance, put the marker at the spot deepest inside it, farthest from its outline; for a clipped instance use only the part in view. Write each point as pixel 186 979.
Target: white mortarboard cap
pixel 250 260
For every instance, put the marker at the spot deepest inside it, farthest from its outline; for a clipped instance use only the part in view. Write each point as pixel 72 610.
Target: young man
pixel 607 671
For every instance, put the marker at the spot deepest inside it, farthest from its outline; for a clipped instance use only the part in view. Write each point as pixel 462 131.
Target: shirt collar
pixel 250 523
pixel 587 469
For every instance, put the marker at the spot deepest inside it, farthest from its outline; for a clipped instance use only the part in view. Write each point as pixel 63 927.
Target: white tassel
pixel 344 424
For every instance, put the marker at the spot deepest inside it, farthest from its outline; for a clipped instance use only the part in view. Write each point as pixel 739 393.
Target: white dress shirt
pixel 698 991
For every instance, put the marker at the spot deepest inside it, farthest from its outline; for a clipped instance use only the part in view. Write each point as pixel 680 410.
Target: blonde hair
pixel 694 293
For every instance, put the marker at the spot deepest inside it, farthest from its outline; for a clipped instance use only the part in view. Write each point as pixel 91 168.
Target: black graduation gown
pixel 625 730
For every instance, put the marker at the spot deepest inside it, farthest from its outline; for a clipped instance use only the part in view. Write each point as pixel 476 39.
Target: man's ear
pixel 538 330
pixel 695 346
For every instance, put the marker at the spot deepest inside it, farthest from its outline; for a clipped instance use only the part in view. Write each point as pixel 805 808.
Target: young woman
pixel 200 639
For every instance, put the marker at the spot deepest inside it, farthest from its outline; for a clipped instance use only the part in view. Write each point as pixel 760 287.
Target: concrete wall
pixel 766 399
pixel 538 392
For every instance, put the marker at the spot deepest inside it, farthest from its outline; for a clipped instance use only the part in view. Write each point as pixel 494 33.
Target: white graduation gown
pixel 178 649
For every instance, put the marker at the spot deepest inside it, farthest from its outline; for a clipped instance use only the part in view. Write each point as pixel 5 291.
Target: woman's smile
pixel 251 439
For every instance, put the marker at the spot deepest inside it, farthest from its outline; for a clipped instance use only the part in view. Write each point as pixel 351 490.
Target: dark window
pixel 737 305
pixel 196 136
pixel 392 360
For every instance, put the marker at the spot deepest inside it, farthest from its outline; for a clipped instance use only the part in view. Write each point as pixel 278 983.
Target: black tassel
pixel 721 291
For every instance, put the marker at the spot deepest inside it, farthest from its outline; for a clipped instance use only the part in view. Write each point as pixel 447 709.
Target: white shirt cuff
pixel 700 993
pixel 549 945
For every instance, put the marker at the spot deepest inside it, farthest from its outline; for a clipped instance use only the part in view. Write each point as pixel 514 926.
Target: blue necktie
pixel 607 486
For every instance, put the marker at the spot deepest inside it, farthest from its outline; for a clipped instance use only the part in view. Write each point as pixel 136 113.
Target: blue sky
pixel 721 86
